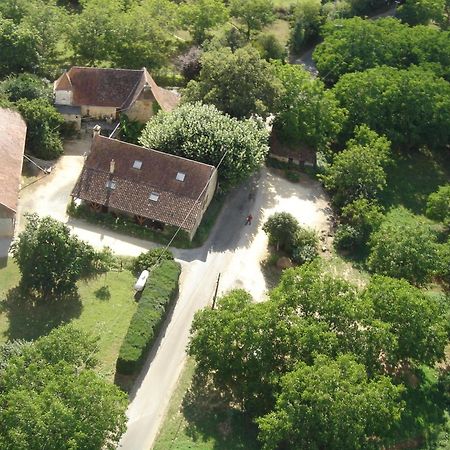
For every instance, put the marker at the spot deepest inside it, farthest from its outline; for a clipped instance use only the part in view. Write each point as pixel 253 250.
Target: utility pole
pixel 215 292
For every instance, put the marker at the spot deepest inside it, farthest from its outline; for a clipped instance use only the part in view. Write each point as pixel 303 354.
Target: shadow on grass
pixel 30 317
pixel 103 293
pixel 210 417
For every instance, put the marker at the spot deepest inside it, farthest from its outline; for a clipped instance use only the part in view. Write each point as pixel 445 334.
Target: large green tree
pixel 404 247
pixel 199 16
pixel 305 111
pixel 51 260
pixel 240 84
pixel 254 14
pixel 355 45
pixel 26 86
pixel 331 404
pixel 203 133
pixel 43 124
pixel 410 107
pixel 50 398
pixel 359 170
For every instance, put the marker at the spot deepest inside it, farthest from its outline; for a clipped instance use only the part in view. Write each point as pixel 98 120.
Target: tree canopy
pixel 438 205
pixel 51 260
pixel 203 133
pixel 410 107
pixel 50 398
pixel 240 84
pixel 254 14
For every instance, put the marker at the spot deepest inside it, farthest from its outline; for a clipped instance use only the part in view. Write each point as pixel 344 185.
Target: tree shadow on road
pixel 31 317
pixel 210 417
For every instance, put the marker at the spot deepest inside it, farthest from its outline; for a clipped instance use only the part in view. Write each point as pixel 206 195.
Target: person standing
pixel 249 220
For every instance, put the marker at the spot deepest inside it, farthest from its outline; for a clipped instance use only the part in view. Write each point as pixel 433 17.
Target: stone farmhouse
pixel 154 188
pixel 105 93
pixel 12 143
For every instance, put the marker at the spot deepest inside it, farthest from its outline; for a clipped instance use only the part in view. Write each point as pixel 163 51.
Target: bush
pixel 282 229
pixel 438 205
pixel 158 295
pixel 305 246
pixel 270 47
pixel 147 259
pixel 346 238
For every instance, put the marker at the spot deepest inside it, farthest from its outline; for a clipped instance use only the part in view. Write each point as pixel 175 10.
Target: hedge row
pixel 160 291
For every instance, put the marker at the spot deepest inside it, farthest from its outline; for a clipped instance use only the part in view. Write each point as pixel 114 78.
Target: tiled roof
pixel 12 142
pixel 118 88
pixel 132 187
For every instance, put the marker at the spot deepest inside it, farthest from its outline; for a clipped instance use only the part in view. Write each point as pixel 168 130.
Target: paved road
pixel 235 251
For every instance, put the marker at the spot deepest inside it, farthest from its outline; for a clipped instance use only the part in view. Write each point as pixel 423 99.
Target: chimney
pixel 112 166
pixel 96 130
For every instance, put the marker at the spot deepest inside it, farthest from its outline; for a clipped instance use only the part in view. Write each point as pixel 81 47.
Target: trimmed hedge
pixel 160 291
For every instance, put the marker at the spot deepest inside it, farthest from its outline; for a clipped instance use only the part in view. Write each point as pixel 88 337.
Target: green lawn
pixel 280 29
pixel 201 422
pixel 104 307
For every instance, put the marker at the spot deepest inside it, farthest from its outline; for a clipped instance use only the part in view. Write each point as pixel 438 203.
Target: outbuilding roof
pixel 143 182
pixel 118 88
pixel 12 143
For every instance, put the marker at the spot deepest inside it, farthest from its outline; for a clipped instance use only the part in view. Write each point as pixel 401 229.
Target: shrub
pixel 305 246
pixel 270 47
pixel 438 205
pixel 147 259
pixel 346 238
pixel 159 293
pixel 282 228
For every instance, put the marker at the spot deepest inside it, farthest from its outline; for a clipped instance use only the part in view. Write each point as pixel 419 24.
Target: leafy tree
pixel 304 248
pixel 359 219
pixel 270 47
pixel 443 265
pixel 199 16
pixel 148 259
pixel 358 171
pixel 416 320
pixel 438 205
pixel 305 111
pixel 403 247
pixel 307 18
pixel 255 14
pixel 26 86
pixel 416 12
pixel 50 399
pixel 240 84
pixel 51 260
pixel 355 44
pixel 19 47
pixel 331 404
pixel 203 133
pixel 282 228
pixel 411 107
pixel 43 138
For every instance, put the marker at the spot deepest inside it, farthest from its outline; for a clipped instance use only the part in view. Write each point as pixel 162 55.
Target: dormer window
pixel 110 184
pixel 181 176
pixel 137 164
pixel 154 196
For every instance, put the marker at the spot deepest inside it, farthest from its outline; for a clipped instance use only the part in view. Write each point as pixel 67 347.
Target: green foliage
pixel 159 293
pixel 438 205
pixel 417 12
pixel 359 219
pixel 254 14
pixel 358 172
pixel 240 83
pixel 51 260
pixel 443 265
pixel 304 248
pixel 130 130
pixel 354 45
pixel 148 259
pixel 270 47
pixel 47 391
pixel 43 139
pixel 199 16
pixel 403 247
pixel 282 228
pixel 416 321
pixel 307 17
pixel 331 404
pixel 202 133
pixel 306 112
pixel 411 107
pixel 26 86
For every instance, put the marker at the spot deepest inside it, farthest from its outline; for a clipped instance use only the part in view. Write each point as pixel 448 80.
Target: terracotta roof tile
pixel 132 187
pixel 12 142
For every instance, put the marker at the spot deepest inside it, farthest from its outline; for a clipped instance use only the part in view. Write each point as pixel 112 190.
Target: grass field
pixel 104 307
